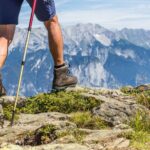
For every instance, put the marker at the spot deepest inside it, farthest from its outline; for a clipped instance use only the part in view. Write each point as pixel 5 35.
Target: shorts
pixel 10 9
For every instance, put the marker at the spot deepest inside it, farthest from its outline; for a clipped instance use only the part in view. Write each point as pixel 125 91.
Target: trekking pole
pixel 23 61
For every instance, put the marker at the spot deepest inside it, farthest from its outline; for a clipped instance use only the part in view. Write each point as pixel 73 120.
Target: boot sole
pixel 63 87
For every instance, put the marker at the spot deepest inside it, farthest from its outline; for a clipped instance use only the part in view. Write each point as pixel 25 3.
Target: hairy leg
pixel 55 40
pixel 6 36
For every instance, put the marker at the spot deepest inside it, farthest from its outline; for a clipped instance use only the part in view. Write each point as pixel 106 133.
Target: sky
pixel 112 14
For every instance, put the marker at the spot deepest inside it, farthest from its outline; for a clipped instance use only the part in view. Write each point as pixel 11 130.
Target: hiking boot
pixel 63 78
pixel 2 89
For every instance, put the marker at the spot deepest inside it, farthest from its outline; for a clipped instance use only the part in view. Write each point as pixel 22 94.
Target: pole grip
pixel 32 14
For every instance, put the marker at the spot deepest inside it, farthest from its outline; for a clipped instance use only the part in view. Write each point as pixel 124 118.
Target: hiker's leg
pixel 45 12
pixel 61 77
pixel 9 12
pixel 55 40
pixel 6 36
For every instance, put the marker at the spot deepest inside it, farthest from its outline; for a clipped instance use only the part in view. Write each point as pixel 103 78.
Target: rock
pixel 96 147
pixel 54 131
pixel 75 89
pixel 11 100
pixel 45 147
pixel 62 147
pixel 122 127
pixel 65 140
pixel 107 140
pixel 32 122
pixel 103 136
pixel 144 87
pixel 6 146
pixel 116 110
pixel 119 143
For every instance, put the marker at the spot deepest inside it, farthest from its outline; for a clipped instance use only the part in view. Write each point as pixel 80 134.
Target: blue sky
pixel 108 13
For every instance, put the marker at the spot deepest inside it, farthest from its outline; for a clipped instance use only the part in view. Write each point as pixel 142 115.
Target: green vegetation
pixel 140 137
pixel 48 134
pixel 142 96
pixel 141 122
pixel 7 110
pixel 43 135
pixel 87 120
pixel 65 102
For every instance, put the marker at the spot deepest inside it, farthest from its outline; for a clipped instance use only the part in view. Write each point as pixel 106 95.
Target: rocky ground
pixel 78 119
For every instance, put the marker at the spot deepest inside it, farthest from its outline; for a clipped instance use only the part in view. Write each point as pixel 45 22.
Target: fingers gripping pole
pixel 23 61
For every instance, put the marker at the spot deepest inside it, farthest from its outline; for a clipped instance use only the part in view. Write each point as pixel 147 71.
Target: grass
pixel 87 120
pixel 141 122
pixel 142 97
pixel 140 137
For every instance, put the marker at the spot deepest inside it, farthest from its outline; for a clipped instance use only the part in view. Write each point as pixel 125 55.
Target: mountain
pixel 138 37
pixel 98 57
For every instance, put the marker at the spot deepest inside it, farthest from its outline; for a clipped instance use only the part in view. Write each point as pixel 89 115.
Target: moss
pixel 65 102
pixel 7 110
pixel 87 120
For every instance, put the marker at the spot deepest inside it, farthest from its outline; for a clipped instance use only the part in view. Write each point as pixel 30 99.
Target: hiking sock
pixel 59 66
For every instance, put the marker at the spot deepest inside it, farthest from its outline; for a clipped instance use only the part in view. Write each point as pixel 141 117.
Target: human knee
pixel 52 22
pixel 7 33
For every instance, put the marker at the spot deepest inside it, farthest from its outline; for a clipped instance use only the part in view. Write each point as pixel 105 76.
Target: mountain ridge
pixel 98 57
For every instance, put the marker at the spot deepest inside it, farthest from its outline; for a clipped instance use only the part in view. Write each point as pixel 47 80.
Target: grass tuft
pixel 87 120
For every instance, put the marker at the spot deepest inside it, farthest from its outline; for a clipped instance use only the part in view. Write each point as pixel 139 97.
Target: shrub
pixel 65 102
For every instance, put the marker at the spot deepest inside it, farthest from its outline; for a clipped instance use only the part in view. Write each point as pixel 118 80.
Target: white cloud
pixel 111 14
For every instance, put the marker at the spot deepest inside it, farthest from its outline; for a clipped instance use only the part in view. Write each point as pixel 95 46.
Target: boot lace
pixel 69 68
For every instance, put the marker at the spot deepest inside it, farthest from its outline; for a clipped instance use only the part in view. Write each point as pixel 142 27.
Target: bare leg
pixel 55 40
pixel 6 36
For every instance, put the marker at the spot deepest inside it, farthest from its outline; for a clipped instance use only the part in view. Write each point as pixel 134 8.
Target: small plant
pixel 140 137
pixel 141 122
pixel 139 140
pixel 87 120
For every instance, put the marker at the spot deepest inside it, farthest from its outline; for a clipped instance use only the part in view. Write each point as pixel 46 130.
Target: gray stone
pixel 119 143
pixel 103 136
pixel 116 110
pixel 32 122
pixel 144 87
pixel 11 100
pixel 45 147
